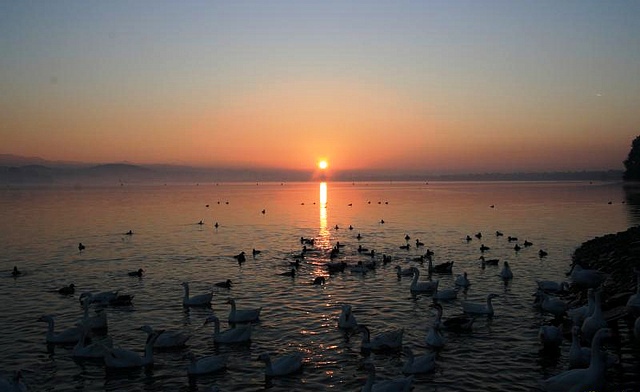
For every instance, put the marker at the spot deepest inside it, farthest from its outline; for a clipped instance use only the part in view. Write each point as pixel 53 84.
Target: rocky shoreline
pixel 617 255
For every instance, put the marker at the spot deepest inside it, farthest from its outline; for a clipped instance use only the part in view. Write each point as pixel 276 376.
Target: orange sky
pixel 438 88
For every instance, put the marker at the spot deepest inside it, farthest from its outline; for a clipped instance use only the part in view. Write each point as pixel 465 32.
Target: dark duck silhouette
pixel 137 273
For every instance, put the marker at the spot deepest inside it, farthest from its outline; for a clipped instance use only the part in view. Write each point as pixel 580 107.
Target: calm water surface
pixel 41 227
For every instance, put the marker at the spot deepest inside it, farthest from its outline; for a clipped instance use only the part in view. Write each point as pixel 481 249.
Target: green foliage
pixel 632 163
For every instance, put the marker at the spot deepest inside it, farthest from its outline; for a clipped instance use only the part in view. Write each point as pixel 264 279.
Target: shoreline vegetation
pixel 34 171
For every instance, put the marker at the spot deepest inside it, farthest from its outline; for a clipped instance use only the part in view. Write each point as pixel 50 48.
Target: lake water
pixel 41 227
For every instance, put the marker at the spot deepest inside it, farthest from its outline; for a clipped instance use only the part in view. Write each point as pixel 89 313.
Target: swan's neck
pixel 148 351
pixel 216 327
pixel 51 326
pixel 186 292
pixel 85 306
pixel 365 336
pixel 489 305
pixel 597 363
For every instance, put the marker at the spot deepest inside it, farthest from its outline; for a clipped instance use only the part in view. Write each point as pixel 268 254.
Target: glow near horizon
pixel 432 86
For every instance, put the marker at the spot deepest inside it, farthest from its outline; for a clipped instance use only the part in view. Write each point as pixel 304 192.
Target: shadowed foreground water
pixel 41 229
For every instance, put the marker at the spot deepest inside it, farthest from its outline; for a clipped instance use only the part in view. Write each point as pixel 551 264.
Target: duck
pixel 462 281
pixel 506 273
pixel 596 321
pixel 486 262
pixel 120 358
pixel 406 272
pixel 205 365
pixel 255 252
pixel 291 273
pixel 418 364
pixel 484 248
pixel 586 278
pixel 137 273
pixel 225 285
pixel 98 321
pixel 458 324
pixel 443 268
pixel 283 365
pixel 359 268
pixel 542 253
pixel 14 385
pixel 527 243
pixel 68 336
pixel 550 336
pixel 419 243
pixel 197 300
pixel 242 316
pixel 434 338
pixel 444 295
pixel 319 280
pixel 240 257
pixel 347 320
pixel 633 304
pixel 400 384
pixel 239 334
pixel 591 378
pixel 386 341
pixel 421 287
pixel 67 290
pixel 94 350
pixel 336 267
pixel 478 308
pixel 81 247
pixel 167 339
pixel 15 273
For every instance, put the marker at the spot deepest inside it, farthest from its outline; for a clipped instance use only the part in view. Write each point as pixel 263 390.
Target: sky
pixel 415 86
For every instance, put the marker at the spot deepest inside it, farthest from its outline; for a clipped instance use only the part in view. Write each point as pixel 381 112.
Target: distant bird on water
pixel 67 290
pixel 16 272
pixel 226 284
pixel 80 246
pixel 240 257
pixel 137 273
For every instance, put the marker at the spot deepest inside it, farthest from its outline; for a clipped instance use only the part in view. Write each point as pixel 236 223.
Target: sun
pixel 323 164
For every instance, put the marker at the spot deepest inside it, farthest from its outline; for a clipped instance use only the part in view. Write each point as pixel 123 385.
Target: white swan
pixel 506 273
pixel 434 338
pixel 197 300
pixel 94 350
pixel 579 380
pixel 478 308
pixel 578 315
pixel 347 320
pixel 385 341
pixel 550 336
pixel 98 321
pixel 633 304
pixel 444 295
pixel 206 365
pixel 401 384
pixel 580 357
pixel 596 321
pixel 421 287
pixel 242 316
pixel 68 336
pixel 462 281
pixel 283 365
pixel 587 278
pixel 102 298
pixel 549 286
pixel 421 364
pixel 239 334
pixel 119 358
pixel 167 339
pixel 552 305
pixel 636 328
pixel 13 385
pixel 403 272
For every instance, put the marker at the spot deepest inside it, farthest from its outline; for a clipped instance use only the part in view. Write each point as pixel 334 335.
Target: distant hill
pixel 17 170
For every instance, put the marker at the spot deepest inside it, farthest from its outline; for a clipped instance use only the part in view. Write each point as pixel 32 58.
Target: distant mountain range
pixel 19 170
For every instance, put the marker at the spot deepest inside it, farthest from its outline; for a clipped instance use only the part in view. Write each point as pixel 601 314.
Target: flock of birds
pixel 588 328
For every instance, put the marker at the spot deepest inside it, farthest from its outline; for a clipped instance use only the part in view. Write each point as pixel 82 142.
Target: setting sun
pixel 323 164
